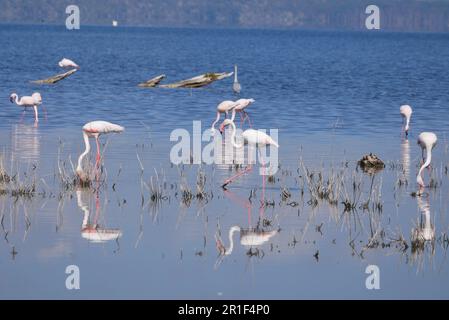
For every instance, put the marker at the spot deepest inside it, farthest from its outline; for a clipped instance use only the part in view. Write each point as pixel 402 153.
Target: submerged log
pixel 198 81
pixel 152 82
pixel 55 78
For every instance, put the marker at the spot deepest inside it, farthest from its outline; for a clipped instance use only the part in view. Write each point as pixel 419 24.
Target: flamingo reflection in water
pixel 423 233
pixel 91 231
pixel 405 160
pixel 25 143
pixel 251 237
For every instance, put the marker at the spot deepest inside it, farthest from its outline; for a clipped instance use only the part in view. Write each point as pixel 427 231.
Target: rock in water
pixel 371 163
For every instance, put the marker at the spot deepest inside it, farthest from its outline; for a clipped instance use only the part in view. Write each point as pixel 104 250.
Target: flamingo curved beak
pixel 221 129
pixel 11 99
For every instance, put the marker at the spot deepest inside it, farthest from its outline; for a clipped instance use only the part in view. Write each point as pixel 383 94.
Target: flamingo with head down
pixel 252 137
pixel 223 107
pixel 427 141
pixel 406 113
pixel 240 106
pixel 95 129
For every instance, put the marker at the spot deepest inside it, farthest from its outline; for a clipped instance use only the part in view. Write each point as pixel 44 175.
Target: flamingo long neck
pixel 233 229
pixel 428 160
pixel 79 168
pixel 407 124
pixel 235 74
pixel 17 101
pixel 233 135
pixel 233 115
pixel 215 122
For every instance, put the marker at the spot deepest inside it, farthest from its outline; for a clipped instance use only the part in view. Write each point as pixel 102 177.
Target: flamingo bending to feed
pixel 95 129
pixel 27 102
pixel 223 107
pixel 67 63
pixel 252 137
pixel 240 106
pixel 406 113
pixel 236 85
pixel 427 141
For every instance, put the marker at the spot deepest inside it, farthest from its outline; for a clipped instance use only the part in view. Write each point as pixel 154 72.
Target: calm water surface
pixel 333 97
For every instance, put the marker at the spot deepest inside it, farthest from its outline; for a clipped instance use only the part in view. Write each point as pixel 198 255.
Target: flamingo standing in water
pixel 236 85
pixel 95 129
pixel 240 106
pixel 427 141
pixel 27 102
pixel 67 63
pixel 223 107
pixel 406 113
pixel 251 137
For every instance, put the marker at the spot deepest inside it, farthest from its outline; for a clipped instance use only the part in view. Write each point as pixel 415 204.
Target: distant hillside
pixel 398 15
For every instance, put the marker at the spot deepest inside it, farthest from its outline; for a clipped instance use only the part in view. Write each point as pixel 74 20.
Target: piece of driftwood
pixel 198 81
pixel 371 163
pixel 152 82
pixel 55 78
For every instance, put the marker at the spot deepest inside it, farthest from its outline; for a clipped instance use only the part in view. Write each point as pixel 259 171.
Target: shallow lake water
pixel 150 229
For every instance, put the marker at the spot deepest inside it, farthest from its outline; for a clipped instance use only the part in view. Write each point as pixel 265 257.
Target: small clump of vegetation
pixel 16 186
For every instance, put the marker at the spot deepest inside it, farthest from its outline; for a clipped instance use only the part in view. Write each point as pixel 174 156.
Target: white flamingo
pixel 406 113
pixel 28 102
pixel 236 85
pixel 240 106
pixel 223 107
pixel 67 63
pixel 252 137
pixel 95 129
pixel 427 141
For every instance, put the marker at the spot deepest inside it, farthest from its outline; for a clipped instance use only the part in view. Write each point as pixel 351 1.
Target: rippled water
pixel 333 96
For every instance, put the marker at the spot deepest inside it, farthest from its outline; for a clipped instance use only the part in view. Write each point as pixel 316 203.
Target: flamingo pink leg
pixel 97 161
pixel 249 120
pixel 262 162
pixel 242 120
pixel 36 116
pixel 98 151
pixel 231 179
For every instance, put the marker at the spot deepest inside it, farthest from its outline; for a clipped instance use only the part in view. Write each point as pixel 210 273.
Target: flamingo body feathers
pixel 102 127
pixel 67 63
